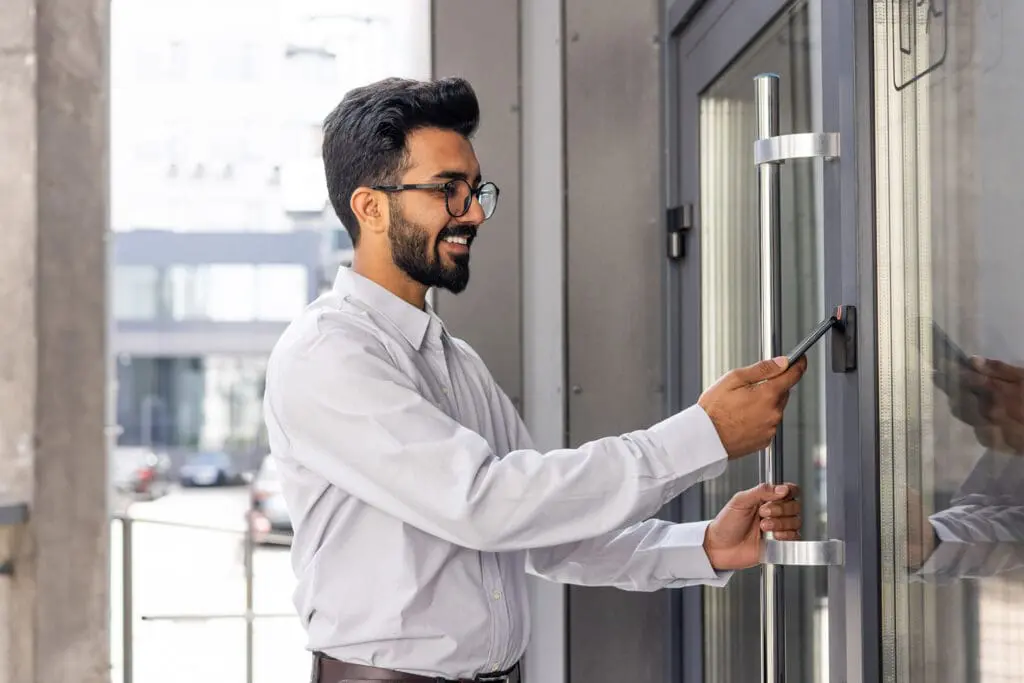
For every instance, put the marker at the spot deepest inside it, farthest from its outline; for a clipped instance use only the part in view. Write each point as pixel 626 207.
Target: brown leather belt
pixel 329 670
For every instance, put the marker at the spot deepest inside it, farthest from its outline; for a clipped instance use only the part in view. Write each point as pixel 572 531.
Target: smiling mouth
pixel 457 245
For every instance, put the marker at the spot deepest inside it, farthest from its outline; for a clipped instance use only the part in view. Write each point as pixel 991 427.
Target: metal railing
pixel 128 523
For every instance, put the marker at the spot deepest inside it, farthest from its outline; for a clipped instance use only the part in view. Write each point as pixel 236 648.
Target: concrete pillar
pixel 53 218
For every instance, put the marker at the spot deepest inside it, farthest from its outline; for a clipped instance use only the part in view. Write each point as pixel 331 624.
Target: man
pixel 417 500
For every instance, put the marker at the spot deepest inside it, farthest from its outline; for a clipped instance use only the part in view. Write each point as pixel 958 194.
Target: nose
pixel 475 214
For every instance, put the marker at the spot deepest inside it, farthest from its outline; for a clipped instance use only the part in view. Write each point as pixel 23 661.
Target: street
pixel 189 594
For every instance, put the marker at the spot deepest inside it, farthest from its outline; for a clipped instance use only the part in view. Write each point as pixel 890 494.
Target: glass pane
pixel 232 403
pixel 136 293
pixel 220 292
pixel 730 329
pixel 282 291
pixel 949 155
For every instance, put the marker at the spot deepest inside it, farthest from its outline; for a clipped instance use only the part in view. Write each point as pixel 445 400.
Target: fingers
pixel 785 508
pixel 759 372
pixel 781 524
pixel 782 516
pixel 787 490
pixel 765 493
pixel 788 379
pixel 998 369
pixel 787 535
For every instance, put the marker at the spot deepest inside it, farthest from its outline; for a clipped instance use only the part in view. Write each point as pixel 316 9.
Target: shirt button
pixel 494 667
pixel 444 390
pixel 497 595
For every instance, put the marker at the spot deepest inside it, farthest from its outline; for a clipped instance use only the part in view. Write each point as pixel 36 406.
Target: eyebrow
pixel 459 175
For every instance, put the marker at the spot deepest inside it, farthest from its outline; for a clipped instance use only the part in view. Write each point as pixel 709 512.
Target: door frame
pixel 710 34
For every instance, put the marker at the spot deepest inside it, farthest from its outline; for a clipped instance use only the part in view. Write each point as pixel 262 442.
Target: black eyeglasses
pixel 458 195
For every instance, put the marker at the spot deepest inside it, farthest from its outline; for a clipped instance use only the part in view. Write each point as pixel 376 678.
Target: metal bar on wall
pixel 770 223
pixel 127 606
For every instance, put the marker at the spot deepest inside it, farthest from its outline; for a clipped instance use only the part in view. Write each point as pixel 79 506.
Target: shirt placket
pixel 498 603
pixel 436 356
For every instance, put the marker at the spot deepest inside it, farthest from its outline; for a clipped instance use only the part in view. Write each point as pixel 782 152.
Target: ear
pixel 370 208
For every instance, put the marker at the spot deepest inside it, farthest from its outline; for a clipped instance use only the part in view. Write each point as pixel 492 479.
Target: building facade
pixel 222 230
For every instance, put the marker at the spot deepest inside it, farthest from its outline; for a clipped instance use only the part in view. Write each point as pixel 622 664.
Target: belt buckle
pixel 510 676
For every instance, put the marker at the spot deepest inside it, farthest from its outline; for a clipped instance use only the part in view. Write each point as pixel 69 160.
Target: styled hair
pixel 364 140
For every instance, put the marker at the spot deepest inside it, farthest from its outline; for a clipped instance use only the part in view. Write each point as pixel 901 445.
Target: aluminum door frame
pixel 702 38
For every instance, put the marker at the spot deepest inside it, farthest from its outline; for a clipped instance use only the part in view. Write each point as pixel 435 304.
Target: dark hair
pixel 365 135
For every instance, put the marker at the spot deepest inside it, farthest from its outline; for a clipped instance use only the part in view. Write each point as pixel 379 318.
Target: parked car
pixel 209 468
pixel 140 473
pixel 268 516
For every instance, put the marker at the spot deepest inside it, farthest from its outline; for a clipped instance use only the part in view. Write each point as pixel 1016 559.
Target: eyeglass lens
pixel 460 195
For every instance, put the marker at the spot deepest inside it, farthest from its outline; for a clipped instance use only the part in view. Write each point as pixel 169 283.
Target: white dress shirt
pixel 981 533
pixel 419 504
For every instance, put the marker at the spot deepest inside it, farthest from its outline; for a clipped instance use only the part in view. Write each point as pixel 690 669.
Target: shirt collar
pixel 409 320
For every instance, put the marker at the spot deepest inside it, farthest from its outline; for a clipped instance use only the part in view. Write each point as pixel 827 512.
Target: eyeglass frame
pixel 474 192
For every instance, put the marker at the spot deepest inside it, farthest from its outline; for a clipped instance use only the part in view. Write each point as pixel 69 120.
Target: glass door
pixel 716 304
pixel 949 156
pixel 731 305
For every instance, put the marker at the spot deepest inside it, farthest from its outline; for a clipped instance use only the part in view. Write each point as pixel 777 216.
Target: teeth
pixel 456 240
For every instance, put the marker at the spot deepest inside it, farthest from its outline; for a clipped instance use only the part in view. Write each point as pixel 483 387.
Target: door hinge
pixel 679 221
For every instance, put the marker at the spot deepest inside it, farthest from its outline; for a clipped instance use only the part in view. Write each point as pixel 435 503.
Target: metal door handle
pixel 828 553
pixel 770 150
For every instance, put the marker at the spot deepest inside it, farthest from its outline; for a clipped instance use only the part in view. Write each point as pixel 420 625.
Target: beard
pixel 413 253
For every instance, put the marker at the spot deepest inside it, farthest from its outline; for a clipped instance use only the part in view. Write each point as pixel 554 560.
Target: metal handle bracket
pixel 830 553
pixel 779 148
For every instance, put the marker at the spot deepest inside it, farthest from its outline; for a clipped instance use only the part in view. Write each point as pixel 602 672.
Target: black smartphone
pixel 949 361
pixel 943 348
pixel 810 340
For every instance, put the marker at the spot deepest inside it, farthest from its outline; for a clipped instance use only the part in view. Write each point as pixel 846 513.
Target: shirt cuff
pixel 692 445
pixel 684 559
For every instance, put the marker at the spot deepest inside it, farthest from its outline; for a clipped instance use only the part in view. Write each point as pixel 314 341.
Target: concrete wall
pixel 53 180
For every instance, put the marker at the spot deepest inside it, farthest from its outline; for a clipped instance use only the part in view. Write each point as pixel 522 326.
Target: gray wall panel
pixel 480 42
pixel 614 259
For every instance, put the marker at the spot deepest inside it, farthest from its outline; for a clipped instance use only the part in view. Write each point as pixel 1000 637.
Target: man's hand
pixel 988 396
pixel 733 539
pixel 746 404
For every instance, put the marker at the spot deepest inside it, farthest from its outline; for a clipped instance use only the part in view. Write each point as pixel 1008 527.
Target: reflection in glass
pixel 949 248
pixel 730 301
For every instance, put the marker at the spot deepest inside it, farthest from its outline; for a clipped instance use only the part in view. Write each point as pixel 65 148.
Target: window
pixel 237 292
pixel 136 293
pixel 281 291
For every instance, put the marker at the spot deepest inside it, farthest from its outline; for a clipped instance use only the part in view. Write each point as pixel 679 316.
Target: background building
pixel 221 226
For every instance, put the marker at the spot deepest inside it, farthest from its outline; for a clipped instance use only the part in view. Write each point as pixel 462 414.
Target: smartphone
pixel 947 377
pixel 810 340
pixel 944 348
